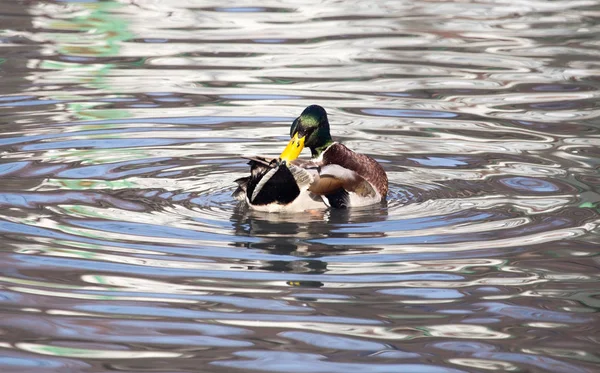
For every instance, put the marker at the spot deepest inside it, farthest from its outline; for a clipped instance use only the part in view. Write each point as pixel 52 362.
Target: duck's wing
pixel 258 165
pixel 258 159
pixel 266 177
pixel 334 177
pixel 273 182
pixel 276 185
pixel 240 192
pixel 304 174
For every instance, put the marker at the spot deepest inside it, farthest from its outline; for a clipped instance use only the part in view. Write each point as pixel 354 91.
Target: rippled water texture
pixel 121 130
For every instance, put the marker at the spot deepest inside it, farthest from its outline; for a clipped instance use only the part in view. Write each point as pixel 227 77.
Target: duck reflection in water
pixel 306 235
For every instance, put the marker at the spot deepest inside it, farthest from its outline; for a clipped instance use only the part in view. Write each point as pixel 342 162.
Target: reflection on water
pixel 121 130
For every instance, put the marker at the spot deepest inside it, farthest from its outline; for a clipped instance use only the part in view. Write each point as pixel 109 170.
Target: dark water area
pixel 122 126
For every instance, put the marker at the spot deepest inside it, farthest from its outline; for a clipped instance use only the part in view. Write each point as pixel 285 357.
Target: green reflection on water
pixel 101 31
pixel 100 34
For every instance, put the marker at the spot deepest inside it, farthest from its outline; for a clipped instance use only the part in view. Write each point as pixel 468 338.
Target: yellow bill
pixel 293 149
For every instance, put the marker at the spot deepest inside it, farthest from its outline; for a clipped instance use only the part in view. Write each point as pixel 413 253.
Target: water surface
pixel 121 130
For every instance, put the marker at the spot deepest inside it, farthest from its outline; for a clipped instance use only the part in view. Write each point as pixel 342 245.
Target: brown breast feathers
pixel 362 164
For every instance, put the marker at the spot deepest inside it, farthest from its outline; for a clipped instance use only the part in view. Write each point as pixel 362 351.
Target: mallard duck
pixel 334 177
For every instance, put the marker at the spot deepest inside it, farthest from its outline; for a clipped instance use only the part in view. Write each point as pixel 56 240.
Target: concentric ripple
pixel 122 130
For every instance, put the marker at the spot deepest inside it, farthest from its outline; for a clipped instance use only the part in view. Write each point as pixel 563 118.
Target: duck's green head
pixel 310 129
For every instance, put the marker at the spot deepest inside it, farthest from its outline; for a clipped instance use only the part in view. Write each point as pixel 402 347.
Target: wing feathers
pixel 335 176
pixel 326 185
pixel 266 177
pixel 303 176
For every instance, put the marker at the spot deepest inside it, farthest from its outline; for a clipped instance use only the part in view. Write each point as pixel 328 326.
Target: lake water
pixel 122 124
